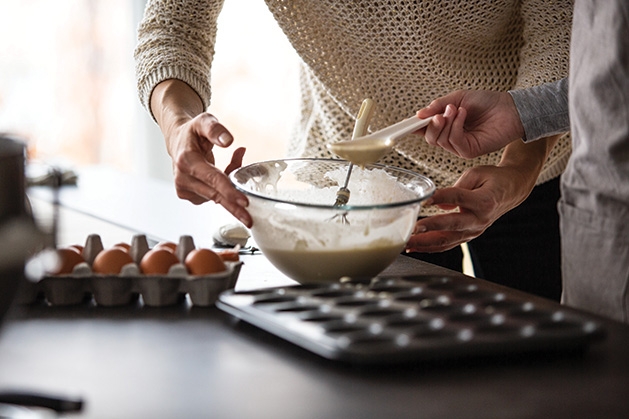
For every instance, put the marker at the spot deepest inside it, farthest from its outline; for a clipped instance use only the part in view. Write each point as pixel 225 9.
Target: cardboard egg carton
pixel 124 288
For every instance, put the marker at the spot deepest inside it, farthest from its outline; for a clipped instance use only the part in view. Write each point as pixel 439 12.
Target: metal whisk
pixel 360 129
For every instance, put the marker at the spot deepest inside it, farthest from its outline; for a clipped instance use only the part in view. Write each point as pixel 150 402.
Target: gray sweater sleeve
pixel 543 109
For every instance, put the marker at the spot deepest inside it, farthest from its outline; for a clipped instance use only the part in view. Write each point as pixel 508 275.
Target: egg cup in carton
pixel 117 276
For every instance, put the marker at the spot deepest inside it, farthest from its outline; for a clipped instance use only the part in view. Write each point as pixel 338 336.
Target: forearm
pixel 527 160
pixel 173 103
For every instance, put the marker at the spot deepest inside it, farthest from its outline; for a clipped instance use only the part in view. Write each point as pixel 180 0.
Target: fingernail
pixel 245 221
pixel 224 138
pixel 244 218
pixel 449 111
pixel 242 202
pixel 419 229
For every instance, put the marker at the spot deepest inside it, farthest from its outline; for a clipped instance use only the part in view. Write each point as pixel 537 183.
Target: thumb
pixel 236 160
pixel 437 106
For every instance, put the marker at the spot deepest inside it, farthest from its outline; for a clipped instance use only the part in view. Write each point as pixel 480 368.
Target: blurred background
pixel 67 83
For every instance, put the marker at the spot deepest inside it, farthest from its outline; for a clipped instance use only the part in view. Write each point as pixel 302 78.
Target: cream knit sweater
pixel 400 53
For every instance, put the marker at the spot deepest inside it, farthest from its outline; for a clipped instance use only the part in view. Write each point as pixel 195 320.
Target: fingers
pixel 210 184
pixel 433 130
pixel 435 241
pixel 196 178
pixel 234 201
pixel 442 232
pixel 447 131
pixel 450 198
pixel 206 125
pixel 439 135
pixel 457 141
pixel 437 106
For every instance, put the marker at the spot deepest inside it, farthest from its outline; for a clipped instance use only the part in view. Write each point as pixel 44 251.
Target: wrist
pixel 514 116
pixel 528 159
pixel 174 103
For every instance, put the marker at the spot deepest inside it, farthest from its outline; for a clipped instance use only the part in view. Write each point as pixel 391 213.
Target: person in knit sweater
pixel 594 104
pixel 401 54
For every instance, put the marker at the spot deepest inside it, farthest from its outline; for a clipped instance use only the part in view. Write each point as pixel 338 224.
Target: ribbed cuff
pixel 197 83
pixel 543 109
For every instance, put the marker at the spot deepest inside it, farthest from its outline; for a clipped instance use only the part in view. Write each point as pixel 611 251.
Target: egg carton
pixel 116 290
pixel 412 318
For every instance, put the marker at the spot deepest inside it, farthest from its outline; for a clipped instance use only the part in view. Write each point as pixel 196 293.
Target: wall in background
pixel 67 83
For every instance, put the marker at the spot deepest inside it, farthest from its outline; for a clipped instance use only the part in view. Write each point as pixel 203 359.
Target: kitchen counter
pixel 194 362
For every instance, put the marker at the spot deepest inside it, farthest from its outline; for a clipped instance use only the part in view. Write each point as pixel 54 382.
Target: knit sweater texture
pixel 400 53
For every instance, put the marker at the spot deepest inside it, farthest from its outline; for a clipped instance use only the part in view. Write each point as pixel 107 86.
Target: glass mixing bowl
pixel 299 229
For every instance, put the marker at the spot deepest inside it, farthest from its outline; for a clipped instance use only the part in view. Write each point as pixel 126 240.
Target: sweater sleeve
pixel 176 41
pixel 543 109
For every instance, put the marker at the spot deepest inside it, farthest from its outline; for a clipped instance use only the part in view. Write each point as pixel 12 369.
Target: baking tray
pixel 412 318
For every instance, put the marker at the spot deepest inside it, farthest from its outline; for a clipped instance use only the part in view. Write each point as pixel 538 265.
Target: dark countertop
pixel 132 362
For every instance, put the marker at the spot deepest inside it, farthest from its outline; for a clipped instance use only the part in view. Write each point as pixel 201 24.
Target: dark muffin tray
pixel 386 320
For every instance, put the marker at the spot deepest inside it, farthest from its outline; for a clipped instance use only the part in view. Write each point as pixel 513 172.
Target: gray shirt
pixel 594 206
pixel 543 109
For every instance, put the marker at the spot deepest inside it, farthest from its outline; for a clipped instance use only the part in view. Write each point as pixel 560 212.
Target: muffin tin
pixel 125 288
pixel 397 319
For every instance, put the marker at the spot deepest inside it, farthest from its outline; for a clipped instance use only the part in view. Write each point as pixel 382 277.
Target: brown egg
pixel 157 261
pixel 76 247
pixel 229 255
pixel 203 262
pixel 111 261
pixel 68 259
pixel 124 246
pixel 166 245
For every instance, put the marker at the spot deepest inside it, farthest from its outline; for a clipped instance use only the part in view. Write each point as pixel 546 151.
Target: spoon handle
pixel 360 129
pixel 362 119
pixel 400 129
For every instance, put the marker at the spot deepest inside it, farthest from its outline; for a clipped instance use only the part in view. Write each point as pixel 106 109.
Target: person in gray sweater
pixel 593 103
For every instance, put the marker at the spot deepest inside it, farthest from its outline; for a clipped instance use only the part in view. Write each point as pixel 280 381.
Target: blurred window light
pixel 67 83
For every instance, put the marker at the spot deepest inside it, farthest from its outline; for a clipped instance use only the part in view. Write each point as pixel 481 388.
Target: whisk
pixel 360 129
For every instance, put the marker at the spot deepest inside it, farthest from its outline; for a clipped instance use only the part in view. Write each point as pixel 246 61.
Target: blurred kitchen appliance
pixel 19 235
pixel 20 238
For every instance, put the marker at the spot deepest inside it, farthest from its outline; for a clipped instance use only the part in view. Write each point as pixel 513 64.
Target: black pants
pixel 520 250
